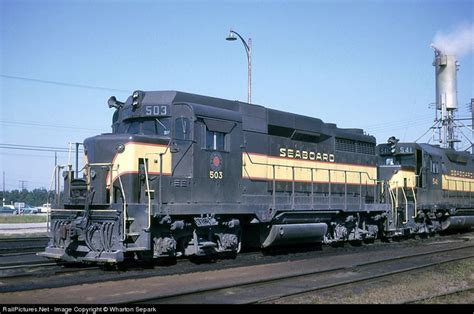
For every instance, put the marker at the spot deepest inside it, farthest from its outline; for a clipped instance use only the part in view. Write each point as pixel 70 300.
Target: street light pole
pixel 248 50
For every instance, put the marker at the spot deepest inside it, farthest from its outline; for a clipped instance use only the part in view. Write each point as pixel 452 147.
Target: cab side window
pixel 215 140
pixel 182 129
pixel 434 167
pixel 149 127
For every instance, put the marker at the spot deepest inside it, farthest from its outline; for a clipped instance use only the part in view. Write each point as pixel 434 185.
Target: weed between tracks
pixel 401 288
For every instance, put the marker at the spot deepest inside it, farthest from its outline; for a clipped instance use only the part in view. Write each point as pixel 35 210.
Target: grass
pixel 19 219
pixel 461 270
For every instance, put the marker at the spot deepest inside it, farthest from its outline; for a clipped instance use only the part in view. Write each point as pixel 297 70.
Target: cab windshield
pixel 154 126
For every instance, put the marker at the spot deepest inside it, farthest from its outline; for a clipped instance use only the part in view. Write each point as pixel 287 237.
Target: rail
pixel 314 170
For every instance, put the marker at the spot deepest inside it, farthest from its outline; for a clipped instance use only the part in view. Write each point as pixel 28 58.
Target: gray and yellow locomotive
pixel 430 188
pixel 190 175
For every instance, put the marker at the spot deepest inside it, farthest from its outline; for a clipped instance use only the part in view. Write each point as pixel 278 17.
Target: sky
pixel 360 64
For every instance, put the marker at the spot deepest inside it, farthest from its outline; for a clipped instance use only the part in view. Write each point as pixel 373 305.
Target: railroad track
pixel 278 287
pixel 20 246
pixel 11 267
pixel 243 281
pixel 23 239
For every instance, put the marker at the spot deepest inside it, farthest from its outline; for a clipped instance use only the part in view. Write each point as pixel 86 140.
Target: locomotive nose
pixel 116 160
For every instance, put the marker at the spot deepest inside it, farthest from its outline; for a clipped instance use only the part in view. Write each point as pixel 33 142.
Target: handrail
pixel 330 190
pixel 312 190
pixel 100 164
pixel 109 165
pixel 274 188
pixel 360 173
pixel 455 185
pixel 414 199
pixel 122 190
pixel 406 205
pixel 414 194
pixel 111 188
pixel 77 157
pixel 396 201
pixel 345 190
pixel 125 215
pixel 58 190
pixel 48 221
pixel 394 206
pixel 292 187
pixel 463 191
pixel 456 190
pixel 392 201
pixel 309 168
pixel 145 160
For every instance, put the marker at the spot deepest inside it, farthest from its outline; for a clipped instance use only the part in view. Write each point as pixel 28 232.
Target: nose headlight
pixel 93 174
pixel 136 99
pixel 120 148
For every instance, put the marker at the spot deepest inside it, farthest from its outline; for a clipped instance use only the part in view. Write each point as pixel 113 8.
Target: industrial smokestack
pixel 447 47
pixel 446 67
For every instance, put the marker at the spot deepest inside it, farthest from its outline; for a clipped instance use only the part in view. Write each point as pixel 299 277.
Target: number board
pixel 406 150
pixel 156 110
pixel 385 150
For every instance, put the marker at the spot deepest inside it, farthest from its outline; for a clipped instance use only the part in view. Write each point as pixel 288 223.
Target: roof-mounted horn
pixel 114 103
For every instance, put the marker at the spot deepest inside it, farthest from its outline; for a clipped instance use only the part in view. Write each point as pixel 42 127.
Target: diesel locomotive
pixel 188 175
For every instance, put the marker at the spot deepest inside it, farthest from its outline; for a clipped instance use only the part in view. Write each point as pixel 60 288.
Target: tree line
pixel 36 197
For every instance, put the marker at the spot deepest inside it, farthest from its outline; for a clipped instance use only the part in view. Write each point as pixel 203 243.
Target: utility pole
pixel 3 195
pixel 472 122
pixel 55 169
pixel 23 184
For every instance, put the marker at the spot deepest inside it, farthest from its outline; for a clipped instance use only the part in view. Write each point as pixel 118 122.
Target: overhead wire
pixel 22 78
pixel 36 148
pixel 25 123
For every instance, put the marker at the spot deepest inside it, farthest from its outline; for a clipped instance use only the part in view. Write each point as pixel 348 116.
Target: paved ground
pixel 22 228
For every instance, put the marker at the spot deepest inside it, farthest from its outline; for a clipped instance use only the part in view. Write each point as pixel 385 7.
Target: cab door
pixel 182 148
pixel 218 161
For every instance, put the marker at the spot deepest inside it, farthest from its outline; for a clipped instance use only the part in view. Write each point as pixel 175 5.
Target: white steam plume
pixel 460 42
